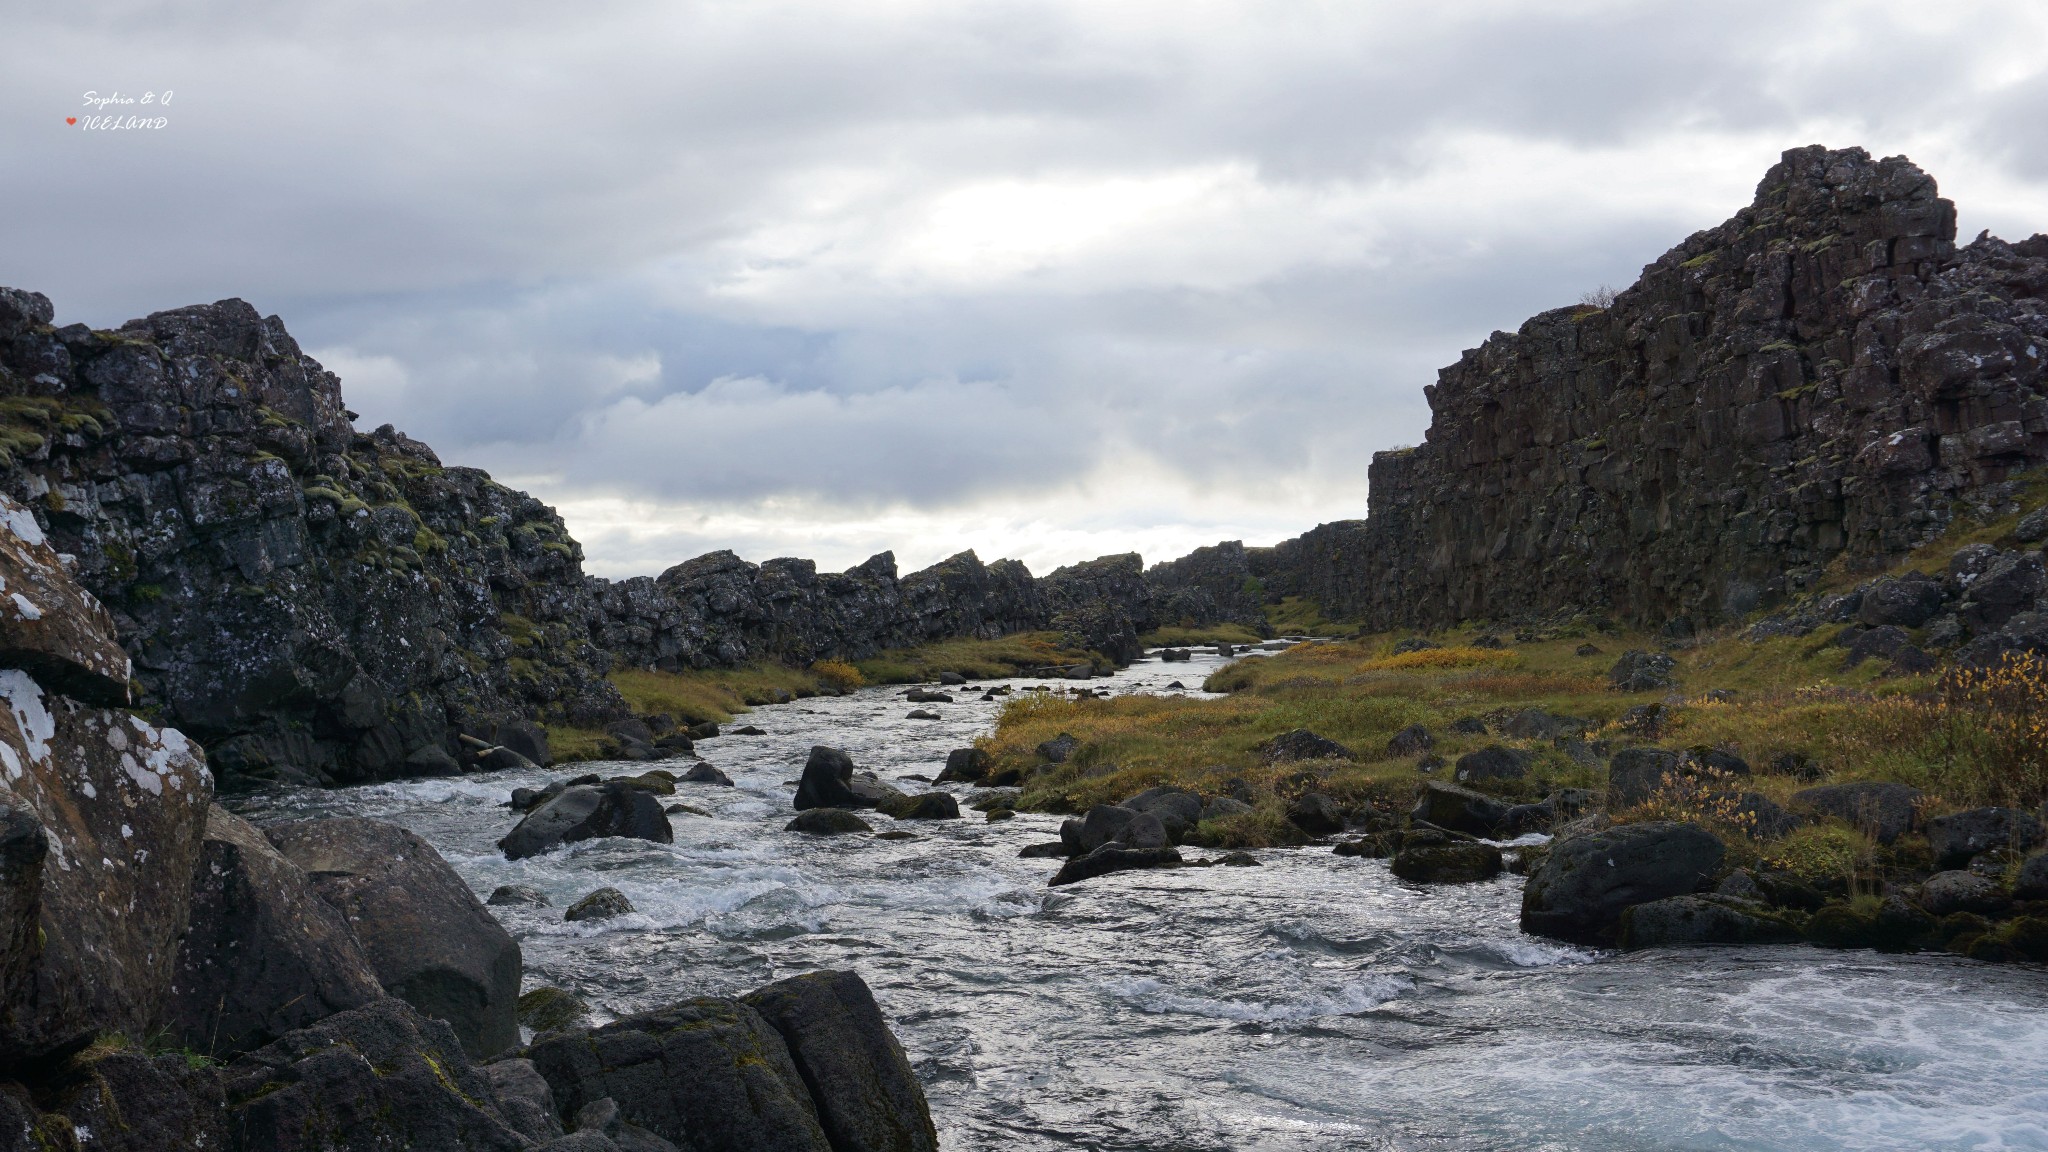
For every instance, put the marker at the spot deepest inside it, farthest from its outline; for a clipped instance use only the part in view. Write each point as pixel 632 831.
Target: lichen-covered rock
pixel 50 627
pixel 378 1077
pixel 867 1097
pixel 429 939
pixel 603 904
pixel 104 816
pixel 118 1100
pixel 265 954
pixel 708 1074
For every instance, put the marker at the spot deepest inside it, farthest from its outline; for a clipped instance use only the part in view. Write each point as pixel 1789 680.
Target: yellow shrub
pixel 837 675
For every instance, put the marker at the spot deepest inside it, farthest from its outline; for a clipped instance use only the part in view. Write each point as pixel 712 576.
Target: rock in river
pixel 429 939
pixel 1316 814
pixel 1113 857
pixel 1693 921
pixel 1587 881
pixel 586 812
pixel 924 806
pixel 1447 863
pixel 829 782
pixel 867 1096
pixel 603 904
pixel 827 822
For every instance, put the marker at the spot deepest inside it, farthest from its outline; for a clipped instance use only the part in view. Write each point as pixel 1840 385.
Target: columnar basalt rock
pixel 1826 375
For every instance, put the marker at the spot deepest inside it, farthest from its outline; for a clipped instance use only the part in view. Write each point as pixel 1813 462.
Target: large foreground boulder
pixel 265 954
pixel 378 1077
pixel 115 1099
pixel 51 628
pixel 588 812
pixel 1586 882
pixel 867 1097
pixel 429 939
pixel 101 815
pixel 708 1074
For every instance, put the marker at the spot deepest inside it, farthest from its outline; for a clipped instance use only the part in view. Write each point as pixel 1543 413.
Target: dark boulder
pixel 923 806
pixel 1316 814
pixel 1101 824
pixel 547 1009
pixel 2033 878
pixel 1640 671
pixel 1178 809
pixel 434 760
pixel 828 782
pixel 603 904
pixel 1644 720
pixel 1145 830
pixel 703 773
pixel 1493 762
pixel 1959 836
pixel 525 737
pixel 378 1077
pixel 1585 882
pixel 1954 891
pixel 1537 724
pixel 827 822
pixel 1696 921
pixel 1302 744
pixel 1447 863
pixel 1218 807
pixel 264 954
pixel 965 766
pixel 517 896
pixel 1907 601
pixel 1459 809
pixel 1551 811
pixel 1634 775
pixel 1113 857
pixel 1052 849
pixel 868 1098
pixel 1469 726
pixel 1883 811
pixel 614 808
pixel 112 1098
pixel 1059 748
pixel 429 939
pixel 1414 740
pixel 708 1074
pixel 524 1098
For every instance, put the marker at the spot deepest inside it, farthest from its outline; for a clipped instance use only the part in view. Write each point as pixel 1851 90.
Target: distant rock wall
pixel 1824 377
pixel 323 605
pixel 1213 585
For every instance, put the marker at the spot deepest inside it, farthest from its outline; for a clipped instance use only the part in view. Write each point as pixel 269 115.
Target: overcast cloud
pixel 1048 280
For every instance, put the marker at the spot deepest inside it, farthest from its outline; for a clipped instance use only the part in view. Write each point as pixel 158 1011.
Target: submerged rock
pixel 827 822
pixel 1113 857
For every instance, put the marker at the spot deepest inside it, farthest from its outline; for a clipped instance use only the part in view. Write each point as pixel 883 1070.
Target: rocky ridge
pixel 1825 377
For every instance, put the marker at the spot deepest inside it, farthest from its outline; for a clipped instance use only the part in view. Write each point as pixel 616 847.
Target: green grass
pixel 1012 655
pixel 715 694
pixel 1300 616
pixel 1174 637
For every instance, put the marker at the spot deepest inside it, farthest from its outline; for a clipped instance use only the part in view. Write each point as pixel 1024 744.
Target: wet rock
pixel 922 714
pixel 868 1098
pixel 1100 825
pixel 1697 921
pixel 433 760
pixel 1039 851
pixel 1302 744
pixel 998 815
pixel 1413 740
pixel 1640 671
pixel 703 1074
pixel 518 896
pixel 1316 814
pixel 1906 601
pixel 1456 808
pixel 656 783
pixel 1958 891
pixel 1959 836
pixel 548 1009
pixel 1884 811
pixel 920 696
pixel 952 679
pixel 264 953
pixel 827 782
pixel 1238 860
pixel 379 1076
pixel 587 813
pixel 603 904
pixel 827 822
pixel 747 730
pixel 924 806
pixel 965 766
pixel 1447 863
pixel 702 773
pixel 523 1098
pixel 1493 762
pixel 429 940
pixel 1145 830
pixel 1113 858
pixel 1586 881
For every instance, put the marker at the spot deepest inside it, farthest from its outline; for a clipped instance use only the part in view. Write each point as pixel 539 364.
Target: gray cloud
pixel 1037 277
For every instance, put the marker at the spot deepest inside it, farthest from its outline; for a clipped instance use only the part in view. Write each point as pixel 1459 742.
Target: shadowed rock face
pixel 1824 374
pixel 1209 585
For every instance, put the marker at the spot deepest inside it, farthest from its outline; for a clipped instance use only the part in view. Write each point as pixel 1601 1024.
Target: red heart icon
pixel 71 119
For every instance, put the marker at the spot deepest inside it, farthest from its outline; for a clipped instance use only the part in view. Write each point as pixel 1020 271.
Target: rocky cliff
pixel 1209 586
pixel 1826 377
pixel 319 604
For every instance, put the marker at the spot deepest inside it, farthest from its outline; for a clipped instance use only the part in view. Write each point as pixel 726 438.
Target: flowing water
pixel 1310 1003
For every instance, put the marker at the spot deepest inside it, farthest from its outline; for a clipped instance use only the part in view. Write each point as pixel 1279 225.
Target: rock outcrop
pixel 1210 585
pixel 1826 375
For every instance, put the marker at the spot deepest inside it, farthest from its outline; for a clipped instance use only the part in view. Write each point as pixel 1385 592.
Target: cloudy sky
pixel 1047 280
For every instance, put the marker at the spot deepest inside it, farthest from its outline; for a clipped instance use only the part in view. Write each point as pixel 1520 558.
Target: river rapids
pixel 1314 1002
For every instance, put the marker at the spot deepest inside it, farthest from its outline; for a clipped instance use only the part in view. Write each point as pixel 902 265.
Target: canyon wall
pixel 1825 378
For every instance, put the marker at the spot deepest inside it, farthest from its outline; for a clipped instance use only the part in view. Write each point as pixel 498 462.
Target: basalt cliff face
pixel 1826 376
pixel 318 604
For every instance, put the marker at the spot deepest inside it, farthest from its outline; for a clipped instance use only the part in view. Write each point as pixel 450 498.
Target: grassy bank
pixel 1792 708
pixel 1213 634
pixel 716 695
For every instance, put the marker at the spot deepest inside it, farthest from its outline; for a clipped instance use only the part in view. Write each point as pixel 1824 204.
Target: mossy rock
pixel 551 1009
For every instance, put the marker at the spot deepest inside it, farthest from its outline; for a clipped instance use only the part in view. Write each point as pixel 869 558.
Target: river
pixel 1313 1002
